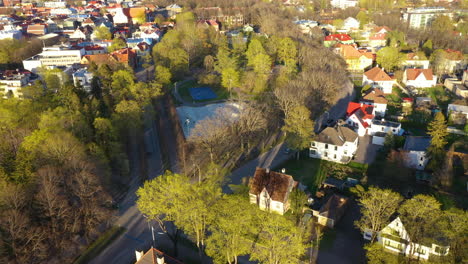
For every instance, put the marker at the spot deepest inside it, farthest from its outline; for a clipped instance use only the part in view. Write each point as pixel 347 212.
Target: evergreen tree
pixel 438 131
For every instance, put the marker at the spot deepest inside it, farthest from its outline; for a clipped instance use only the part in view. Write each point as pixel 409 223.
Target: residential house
pixel 82 78
pixel 376 98
pixel 126 56
pixel 10 34
pixel 37 29
pixel 407 105
pixel 454 61
pixel 333 39
pixel 306 26
pixel 136 14
pixel 396 239
pixel 350 24
pixel 359 117
pixel 173 10
pixel 378 40
pixel 458 87
pixel 337 144
pixel 343 4
pixel 94 49
pixel 381 30
pixel 384 126
pixel 52 27
pixel 458 114
pixel 11 83
pixel 415 150
pixel 331 212
pixel 356 60
pixel 416 60
pixel 79 34
pixel 154 256
pixel 270 190
pixel 419 78
pixel 119 17
pixel 210 23
pixel 378 78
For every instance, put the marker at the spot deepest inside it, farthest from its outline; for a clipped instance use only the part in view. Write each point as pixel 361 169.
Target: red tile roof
pixel 412 74
pixel 276 184
pixel 375 95
pixel 362 112
pixel 454 54
pixel 338 37
pixel 377 74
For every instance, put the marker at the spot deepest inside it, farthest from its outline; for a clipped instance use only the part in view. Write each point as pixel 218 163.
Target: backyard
pixel 312 172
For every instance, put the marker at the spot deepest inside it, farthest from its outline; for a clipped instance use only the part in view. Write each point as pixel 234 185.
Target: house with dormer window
pixel 359 116
pixel 396 239
pixel 270 190
pixel 338 144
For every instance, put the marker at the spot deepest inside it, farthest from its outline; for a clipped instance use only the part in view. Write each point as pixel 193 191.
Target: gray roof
pixel 457 108
pixel 337 135
pixel 417 143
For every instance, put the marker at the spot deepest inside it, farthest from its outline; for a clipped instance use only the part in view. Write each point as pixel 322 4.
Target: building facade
pixel 338 144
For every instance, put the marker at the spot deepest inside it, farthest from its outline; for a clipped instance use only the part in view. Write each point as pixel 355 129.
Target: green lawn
pixel 440 96
pixel 185 94
pixel 305 170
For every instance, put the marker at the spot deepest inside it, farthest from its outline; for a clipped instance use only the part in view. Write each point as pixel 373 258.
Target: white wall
pixel 331 152
pixel 416 159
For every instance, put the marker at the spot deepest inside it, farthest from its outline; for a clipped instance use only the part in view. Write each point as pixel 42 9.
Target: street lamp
pixel 150 228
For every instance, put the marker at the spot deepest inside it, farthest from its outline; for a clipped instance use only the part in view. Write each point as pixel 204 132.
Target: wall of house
pixel 356 125
pixel 331 152
pixel 385 129
pixel 416 159
pixel 422 64
pixel 325 221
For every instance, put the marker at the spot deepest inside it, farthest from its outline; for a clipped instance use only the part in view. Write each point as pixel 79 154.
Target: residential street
pixel 138 235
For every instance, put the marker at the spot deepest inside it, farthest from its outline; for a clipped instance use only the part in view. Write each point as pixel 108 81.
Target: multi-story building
pixel 55 56
pixel 10 85
pixel 343 4
pixel 422 17
pixel 337 144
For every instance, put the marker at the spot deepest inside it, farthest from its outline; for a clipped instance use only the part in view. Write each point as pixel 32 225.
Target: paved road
pixel 271 159
pixel 339 109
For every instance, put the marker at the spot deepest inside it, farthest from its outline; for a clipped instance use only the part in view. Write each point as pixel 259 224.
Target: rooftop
pixel 413 143
pixel 276 184
pixel 337 135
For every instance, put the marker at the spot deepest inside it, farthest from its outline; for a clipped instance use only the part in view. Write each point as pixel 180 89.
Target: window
pixel 421 251
pixel 326 154
pixel 394 130
pixel 334 156
pixel 421 159
pixel 382 128
pixel 326 146
pixel 313 152
pixel 346 152
pixel 313 144
pixel 336 147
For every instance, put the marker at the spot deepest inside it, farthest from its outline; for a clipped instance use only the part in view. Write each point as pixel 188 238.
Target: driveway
pixel 347 248
pixel 366 152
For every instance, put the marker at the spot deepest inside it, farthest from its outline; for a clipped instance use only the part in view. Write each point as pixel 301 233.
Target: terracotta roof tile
pixel 412 74
pixel 376 96
pixel 377 74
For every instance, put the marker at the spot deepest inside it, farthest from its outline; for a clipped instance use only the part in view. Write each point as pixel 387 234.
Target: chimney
pixel 138 255
pixel 283 170
pixel 267 170
pixel 362 104
pixel 160 260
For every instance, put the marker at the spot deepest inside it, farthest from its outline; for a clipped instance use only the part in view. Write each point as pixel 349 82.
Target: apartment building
pixel 422 17
pixel 55 56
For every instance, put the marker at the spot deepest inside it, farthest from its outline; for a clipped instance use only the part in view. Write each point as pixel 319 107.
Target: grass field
pixel 305 170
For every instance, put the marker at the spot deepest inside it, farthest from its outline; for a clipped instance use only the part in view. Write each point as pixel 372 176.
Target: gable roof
pixel 377 74
pixel 337 135
pixel 385 28
pixel 276 184
pixel 153 255
pixel 413 143
pixel 454 54
pixel 412 74
pixel 375 95
pixel 362 111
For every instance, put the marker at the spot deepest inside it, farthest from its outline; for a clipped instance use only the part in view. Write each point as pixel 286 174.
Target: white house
pixel 384 126
pixel 419 78
pixel 119 17
pixel 378 78
pixel 343 4
pixel 270 190
pixel 350 23
pixel 359 117
pixel 78 34
pixel 11 85
pixel 83 78
pixel 415 149
pixel 376 98
pixel 414 60
pixel 458 114
pixel 395 238
pixel 338 144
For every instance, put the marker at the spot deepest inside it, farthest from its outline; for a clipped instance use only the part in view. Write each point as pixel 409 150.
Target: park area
pixel 189 116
